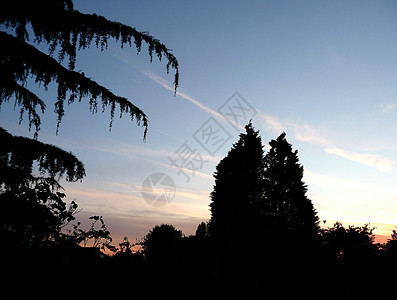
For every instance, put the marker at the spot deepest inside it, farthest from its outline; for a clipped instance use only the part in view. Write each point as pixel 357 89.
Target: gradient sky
pixel 322 71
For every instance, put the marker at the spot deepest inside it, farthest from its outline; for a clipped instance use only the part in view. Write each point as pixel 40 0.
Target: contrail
pixel 164 83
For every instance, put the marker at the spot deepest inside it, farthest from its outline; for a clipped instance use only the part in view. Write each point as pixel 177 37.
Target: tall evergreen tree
pixel 236 198
pixel 289 211
pixel 258 196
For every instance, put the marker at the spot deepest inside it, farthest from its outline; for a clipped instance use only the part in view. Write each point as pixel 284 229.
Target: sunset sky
pixel 325 72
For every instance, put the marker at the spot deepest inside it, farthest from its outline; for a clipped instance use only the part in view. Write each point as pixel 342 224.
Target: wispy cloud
pixel 301 131
pixel 271 123
pixel 305 132
pixel 372 160
pixel 126 212
pixel 387 107
pixel 159 157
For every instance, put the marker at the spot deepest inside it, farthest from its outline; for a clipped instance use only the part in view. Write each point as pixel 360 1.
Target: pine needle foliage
pixel 62 28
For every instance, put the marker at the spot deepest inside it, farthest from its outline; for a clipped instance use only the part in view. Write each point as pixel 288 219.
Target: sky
pixel 322 71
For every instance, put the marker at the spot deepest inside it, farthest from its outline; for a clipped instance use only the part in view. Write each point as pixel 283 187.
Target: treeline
pixel 263 238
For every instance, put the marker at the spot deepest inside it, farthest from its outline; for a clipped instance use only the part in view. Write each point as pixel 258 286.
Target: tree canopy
pixel 161 242
pixel 66 30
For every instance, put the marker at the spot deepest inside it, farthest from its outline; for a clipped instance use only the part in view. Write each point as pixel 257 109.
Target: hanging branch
pixel 61 27
pixel 73 30
pixel 20 60
pixel 19 154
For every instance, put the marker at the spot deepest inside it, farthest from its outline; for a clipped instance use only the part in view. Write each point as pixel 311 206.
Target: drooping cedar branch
pixel 17 164
pixel 57 23
pixel 20 60
pixel 62 27
pixel 23 98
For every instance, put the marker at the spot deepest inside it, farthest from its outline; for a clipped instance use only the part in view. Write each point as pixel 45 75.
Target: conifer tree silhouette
pixel 237 195
pixel 259 201
pixel 289 211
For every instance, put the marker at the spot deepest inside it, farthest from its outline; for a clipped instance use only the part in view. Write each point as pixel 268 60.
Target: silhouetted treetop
pixel 237 195
pixel 202 231
pixel 62 27
pixel 348 243
pixel 161 242
pixel 288 208
pixel 17 163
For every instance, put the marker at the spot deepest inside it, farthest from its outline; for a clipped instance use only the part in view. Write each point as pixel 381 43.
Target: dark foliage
pixel 348 244
pixel 34 217
pixel 21 61
pixel 19 156
pixel 202 231
pixel 61 27
pixel 160 244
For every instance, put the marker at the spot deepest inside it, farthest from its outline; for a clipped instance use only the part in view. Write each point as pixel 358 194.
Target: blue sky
pixel 322 71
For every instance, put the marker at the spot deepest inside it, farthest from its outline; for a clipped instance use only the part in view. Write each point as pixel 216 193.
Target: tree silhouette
pixel 236 200
pixel 161 243
pixel 201 231
pixel 259 203
pixel 289 212
pixel 65 29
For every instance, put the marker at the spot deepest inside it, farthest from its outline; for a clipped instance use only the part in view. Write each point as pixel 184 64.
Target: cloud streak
pixel 271 123
pixel 372 160
pixel 302 131
pixel 320 136
pixel 154 156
